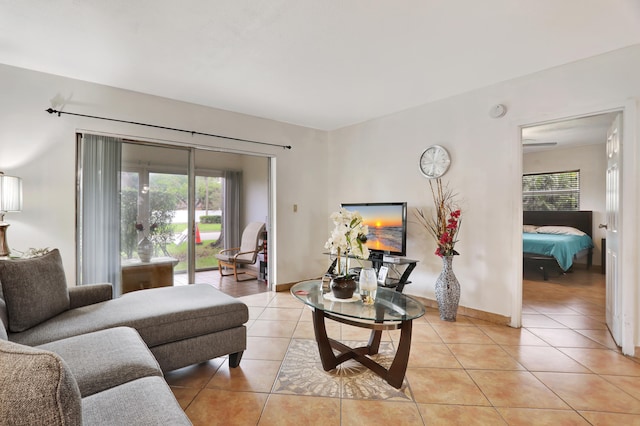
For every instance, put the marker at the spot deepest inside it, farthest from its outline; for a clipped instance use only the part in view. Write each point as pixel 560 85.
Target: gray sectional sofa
pixel 100 353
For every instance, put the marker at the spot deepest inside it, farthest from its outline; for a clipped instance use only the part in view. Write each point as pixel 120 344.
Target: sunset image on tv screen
pixel 385 225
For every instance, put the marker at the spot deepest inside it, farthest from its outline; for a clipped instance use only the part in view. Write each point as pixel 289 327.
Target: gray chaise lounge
pixel 91 352
pixel 181 325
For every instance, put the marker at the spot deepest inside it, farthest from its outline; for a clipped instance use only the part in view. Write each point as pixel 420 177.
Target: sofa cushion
pixel 34 289
pixel 160 315
pixel 4 316
pixel 146 401
pixel 106 358
pixel 36 388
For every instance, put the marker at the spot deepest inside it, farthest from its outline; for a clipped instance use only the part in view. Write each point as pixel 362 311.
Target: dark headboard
pixel 582 220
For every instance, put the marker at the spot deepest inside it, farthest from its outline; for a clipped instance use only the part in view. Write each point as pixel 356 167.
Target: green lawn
pixel 205 255
pixel 204 227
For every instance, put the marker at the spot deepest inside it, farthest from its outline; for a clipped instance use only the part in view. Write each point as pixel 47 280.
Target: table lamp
pixel 10 201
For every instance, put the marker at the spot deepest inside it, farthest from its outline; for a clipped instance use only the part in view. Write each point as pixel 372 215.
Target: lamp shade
pixel 10 193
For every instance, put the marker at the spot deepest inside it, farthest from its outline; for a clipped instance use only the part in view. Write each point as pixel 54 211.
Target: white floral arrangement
pixel 348 238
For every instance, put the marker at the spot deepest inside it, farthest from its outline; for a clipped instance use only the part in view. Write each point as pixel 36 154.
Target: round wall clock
pixel 434 162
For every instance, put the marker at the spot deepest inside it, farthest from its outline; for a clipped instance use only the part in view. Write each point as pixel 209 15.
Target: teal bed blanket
pixel 562 247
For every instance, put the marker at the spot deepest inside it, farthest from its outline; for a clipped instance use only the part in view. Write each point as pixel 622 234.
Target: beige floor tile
pixel 306 315
pixel 601 336
pixel 281 314
pixel 260 299
pixel 214 407
pixel 269 328
pixel 444 386
pixel 484 357
pixel 604 361
pixel 184 395
pixel 349 332
pixel 556 388
pixel 579 321
pixel 564 338
pixel 504 335
pixel 250 376
pixel 537 416
pixel 284 410
pixel 468 415
pixel 615 419
pixel 268 348
pixel 462 334
pixel 629 384
pixel 362 412
pixel 545 359
pixel 194 376
pixel 516 389
pixel 539 321
pixel 421 331
pixel 304 330
pixel 255 311
pixel 436 355
pixel 589 392
pixel 284 300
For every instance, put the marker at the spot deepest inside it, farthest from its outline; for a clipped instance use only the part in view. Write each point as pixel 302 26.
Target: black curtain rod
pixel 193 132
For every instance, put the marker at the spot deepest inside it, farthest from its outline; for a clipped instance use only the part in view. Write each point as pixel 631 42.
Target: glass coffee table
pixel 392 310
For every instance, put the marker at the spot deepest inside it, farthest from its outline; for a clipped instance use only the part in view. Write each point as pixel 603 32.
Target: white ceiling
pixel 317 63
pixel 571 133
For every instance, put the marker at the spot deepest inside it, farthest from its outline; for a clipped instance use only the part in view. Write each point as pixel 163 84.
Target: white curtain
pixel 99 216
pixel 231 209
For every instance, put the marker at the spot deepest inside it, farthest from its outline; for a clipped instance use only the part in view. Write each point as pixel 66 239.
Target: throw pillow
pixel 34 289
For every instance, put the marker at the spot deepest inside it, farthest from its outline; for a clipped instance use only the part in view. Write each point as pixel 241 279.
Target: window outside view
pixel 158 210
pixel 551 191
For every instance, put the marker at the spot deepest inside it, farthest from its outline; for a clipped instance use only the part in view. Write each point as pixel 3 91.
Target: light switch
pixel 295 208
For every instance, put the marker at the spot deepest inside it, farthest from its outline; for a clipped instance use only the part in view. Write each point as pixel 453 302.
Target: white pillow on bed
pixel 529 229
pixel 565 230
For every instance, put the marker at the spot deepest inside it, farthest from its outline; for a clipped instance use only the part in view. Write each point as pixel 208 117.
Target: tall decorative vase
pixel 145 250
pixel 447 291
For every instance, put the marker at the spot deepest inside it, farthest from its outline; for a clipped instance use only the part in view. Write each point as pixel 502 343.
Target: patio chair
pixel 246 254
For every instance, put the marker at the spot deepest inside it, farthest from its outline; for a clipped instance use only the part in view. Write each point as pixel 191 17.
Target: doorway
pixel 573 145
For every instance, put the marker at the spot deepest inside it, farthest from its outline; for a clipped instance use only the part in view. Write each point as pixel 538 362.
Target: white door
pixel 613 267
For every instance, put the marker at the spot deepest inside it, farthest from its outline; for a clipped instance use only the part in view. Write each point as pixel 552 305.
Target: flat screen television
pixel 387 226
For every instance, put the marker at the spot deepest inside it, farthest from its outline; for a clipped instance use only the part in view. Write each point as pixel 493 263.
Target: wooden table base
pixel 394 375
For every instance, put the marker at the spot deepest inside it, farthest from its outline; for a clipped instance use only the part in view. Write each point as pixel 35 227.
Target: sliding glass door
pixel 153 215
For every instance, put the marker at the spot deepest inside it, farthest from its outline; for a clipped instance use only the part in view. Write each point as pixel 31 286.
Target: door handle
pixel 602 225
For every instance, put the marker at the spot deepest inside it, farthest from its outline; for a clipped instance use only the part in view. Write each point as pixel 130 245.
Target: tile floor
pixel 561 368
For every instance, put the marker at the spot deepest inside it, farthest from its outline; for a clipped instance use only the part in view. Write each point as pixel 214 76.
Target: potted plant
pixel 347 239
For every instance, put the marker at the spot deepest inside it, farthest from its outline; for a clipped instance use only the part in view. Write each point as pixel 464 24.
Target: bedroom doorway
pixel 581 144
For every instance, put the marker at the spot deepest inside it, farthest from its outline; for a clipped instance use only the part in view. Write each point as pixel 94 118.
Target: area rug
pixel 302 374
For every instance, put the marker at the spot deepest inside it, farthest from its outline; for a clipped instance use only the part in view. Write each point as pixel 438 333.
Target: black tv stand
pixel 376 259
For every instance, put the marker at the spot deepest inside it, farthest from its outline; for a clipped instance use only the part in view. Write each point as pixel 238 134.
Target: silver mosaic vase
pixel 447 291
pixel 145 250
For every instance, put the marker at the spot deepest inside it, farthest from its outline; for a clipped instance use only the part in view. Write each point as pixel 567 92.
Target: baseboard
pixel 470 312
pixel 287 286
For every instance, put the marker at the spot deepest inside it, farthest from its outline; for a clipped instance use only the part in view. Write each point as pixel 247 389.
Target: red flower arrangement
pixel 152 228
pixel 445 224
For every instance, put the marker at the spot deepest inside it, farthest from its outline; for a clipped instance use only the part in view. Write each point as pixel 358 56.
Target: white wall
pixel 40 148
pixel 255 179
pixel 591 161
pixel 378 160
pixel 372 161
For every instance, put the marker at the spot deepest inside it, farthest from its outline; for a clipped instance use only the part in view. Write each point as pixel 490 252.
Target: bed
pixel 553 239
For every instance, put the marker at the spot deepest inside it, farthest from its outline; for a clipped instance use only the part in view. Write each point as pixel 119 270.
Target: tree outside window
pixel 558 191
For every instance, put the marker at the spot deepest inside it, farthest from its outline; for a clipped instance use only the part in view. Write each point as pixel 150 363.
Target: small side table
pixel 137 275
